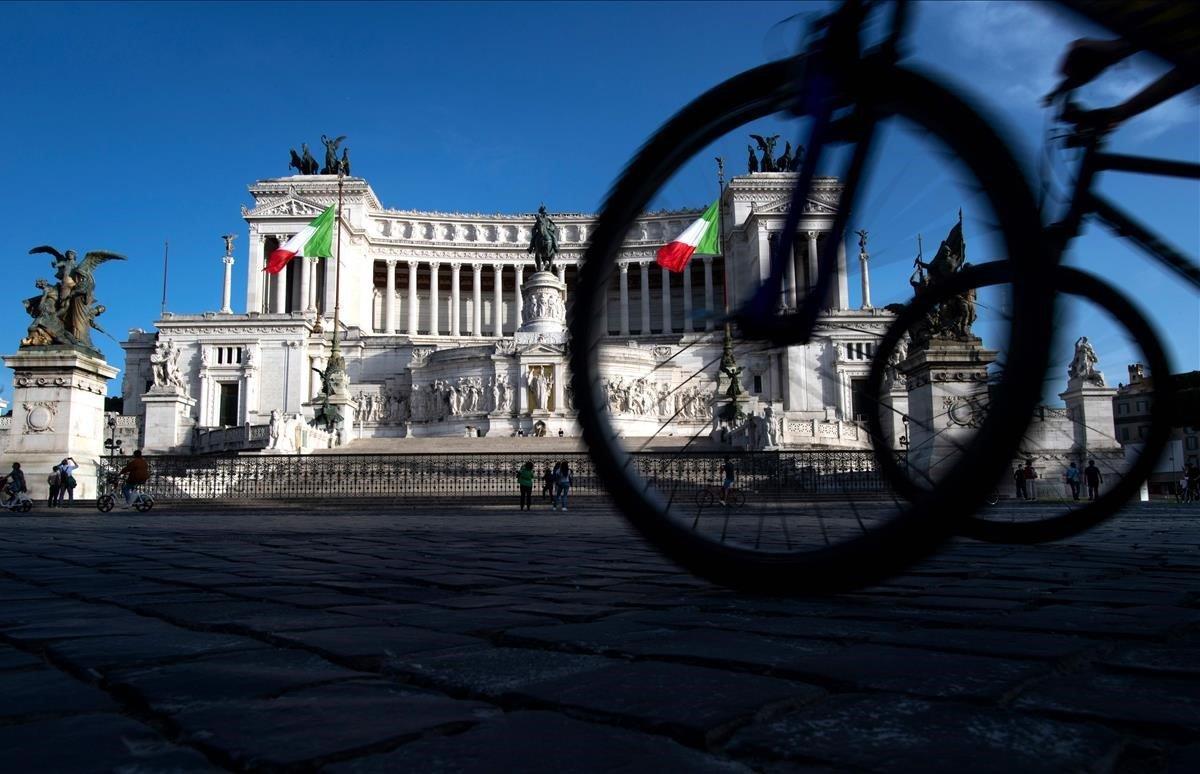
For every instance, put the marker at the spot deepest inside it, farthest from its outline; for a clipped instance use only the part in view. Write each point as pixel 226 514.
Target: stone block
pixel 1165 702
pixel 540 743
pixel 894 734
pixel 324 721
pixel 692 703
pixel 93 743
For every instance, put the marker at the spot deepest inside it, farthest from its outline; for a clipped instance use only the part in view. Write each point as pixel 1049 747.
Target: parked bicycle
pixel 845 91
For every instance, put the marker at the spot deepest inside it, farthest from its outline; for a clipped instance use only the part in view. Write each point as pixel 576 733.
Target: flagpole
pixel 166 250
pixel 337 271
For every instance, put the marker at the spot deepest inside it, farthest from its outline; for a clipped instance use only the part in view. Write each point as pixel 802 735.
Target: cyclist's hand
pixel 1084 61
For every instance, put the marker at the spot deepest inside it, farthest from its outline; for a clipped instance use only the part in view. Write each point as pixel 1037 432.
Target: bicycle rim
pixel 929 519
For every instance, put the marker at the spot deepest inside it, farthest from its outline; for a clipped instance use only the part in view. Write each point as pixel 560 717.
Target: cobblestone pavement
pixel 484 639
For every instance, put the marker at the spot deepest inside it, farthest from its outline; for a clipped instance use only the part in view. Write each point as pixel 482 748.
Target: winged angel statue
pixel 66 310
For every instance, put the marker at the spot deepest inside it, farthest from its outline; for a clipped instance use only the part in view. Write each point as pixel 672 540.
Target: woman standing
pixel 66 479
pixel 562 486
pixel 525 482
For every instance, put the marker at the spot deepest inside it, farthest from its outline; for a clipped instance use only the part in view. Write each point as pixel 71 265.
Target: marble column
pixel 254 272
pixel 279 303
pixel 389 298
pixel 708 293
pixel 477 299
pixel 562 277
pixel 518 301
pixel 812 259
pixel 498 300
pixel 687 298
pixel 843 279
pixel 604 308
pixel 666 302
pixel 434 300
pixel 413 307
pixel 790 296
pixel 645 296
pixel 455 301
pixel 305 282
pixel 227 286
pixel 624 267
pixel 863 259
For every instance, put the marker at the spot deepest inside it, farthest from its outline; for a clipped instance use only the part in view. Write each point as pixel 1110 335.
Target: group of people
pixel 556 485
pixel 1025 480
pixel 61 481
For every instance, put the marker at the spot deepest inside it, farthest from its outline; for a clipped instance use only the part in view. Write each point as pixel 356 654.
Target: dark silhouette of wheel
pixel 853 559
pixel 105 503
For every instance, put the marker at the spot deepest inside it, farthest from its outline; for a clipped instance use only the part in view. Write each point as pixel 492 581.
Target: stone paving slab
pixel 448 639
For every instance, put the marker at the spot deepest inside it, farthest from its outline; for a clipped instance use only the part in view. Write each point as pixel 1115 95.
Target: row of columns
pixel 644 298
pixel 390 324
pixel 792 272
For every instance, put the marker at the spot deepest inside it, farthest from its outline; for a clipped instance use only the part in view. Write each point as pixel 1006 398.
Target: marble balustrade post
pixel 645 296
pixel 389 298
pixel 624 267
pixel 413 306
pixel 455 300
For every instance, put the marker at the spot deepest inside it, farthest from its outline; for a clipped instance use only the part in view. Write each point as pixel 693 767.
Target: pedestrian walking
pixel 1072 476
pixel 548 483
pixel 1093 479
pixel 562 486
pixel 1030 480
pixel 525 482
pixel 1193 489
pixel 1019 483
pixel 66 483
pixel 1181 489
pixel 53 480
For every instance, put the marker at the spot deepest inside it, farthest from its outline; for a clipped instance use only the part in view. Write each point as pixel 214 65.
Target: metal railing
pixel 774 475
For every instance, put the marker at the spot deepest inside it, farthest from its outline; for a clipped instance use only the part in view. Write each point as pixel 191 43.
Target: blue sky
pixel 131 124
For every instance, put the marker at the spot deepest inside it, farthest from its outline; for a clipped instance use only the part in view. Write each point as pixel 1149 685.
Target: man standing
pixel 1072 476
pixel 1030 479
pixel 1019 483
pixel 1091 475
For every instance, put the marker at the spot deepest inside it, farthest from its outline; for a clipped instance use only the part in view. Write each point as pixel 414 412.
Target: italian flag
pixel 703 236
pixel 313 241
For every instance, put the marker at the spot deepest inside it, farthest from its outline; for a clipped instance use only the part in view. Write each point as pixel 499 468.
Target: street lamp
pixel 112 443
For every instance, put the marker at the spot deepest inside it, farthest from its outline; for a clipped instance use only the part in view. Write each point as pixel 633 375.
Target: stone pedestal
pixel 947 402
pixel 168 421
pixel 543 311
pixel 1090 406
pixel 58 411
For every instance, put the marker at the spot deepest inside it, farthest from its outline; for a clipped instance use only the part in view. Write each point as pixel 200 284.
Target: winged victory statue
pixel 66 311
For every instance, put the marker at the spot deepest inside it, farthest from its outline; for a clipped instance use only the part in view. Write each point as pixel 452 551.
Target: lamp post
pixel 904 439
pixel 112 443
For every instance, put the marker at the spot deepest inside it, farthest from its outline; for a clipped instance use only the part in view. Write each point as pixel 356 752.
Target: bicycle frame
pixel 1086 202
pixel 833 59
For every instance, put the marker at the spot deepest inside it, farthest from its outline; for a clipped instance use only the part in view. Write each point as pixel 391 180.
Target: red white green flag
pixel 313 241
pixel 703 236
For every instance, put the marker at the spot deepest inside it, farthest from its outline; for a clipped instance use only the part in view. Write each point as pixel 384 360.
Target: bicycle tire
pixel 704 499
pixel 926 523
pixel 105 503
pixel 1071 282
pixel 739 498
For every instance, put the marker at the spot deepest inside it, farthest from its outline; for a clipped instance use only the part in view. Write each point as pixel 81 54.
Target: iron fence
pixel 777 475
